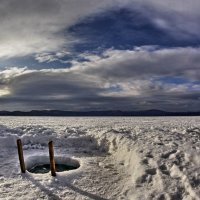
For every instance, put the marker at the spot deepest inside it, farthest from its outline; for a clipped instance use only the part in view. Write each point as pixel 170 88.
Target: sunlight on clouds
pixel 4 91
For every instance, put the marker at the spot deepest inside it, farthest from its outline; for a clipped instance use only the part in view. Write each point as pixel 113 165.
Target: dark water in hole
pixel 45 168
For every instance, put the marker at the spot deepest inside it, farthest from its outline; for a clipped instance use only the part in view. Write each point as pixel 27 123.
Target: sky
pixel 83 55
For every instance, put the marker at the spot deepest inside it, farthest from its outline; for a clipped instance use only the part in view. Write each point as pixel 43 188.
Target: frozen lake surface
pixel 120 157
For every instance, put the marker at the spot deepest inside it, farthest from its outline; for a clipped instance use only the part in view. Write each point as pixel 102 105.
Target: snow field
pixel 120 158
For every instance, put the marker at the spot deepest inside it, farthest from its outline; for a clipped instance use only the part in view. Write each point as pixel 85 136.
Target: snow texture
pixel 120 158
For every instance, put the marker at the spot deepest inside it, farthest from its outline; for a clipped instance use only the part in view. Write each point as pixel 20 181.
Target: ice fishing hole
pixel 41 165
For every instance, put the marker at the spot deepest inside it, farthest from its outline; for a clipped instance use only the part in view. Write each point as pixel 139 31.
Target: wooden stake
pixel 21 156
pixel 52 161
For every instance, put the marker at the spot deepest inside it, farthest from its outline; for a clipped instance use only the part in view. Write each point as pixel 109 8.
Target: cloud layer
pixel 98 55
pixel 123 79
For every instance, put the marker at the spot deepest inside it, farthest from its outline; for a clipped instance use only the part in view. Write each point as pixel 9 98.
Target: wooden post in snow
pixel 52 161
pixel 21 156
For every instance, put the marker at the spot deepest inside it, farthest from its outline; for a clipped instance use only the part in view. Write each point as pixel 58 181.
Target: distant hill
pixel 97 113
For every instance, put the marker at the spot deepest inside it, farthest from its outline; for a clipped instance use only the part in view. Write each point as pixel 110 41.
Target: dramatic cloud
pixel 98 55
pixel 29 27
pixel 33 27
pixel 140 62
pixel 114 79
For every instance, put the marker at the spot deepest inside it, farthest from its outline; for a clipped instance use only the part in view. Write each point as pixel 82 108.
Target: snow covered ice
pixel 120 158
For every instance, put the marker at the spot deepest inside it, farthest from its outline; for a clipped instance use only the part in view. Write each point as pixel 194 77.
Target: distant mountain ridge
pixel 97 113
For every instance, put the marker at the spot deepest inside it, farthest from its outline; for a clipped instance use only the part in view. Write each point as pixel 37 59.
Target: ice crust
pixel 120 158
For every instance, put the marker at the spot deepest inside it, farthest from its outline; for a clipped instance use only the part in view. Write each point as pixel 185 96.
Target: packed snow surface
pixel 120 158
